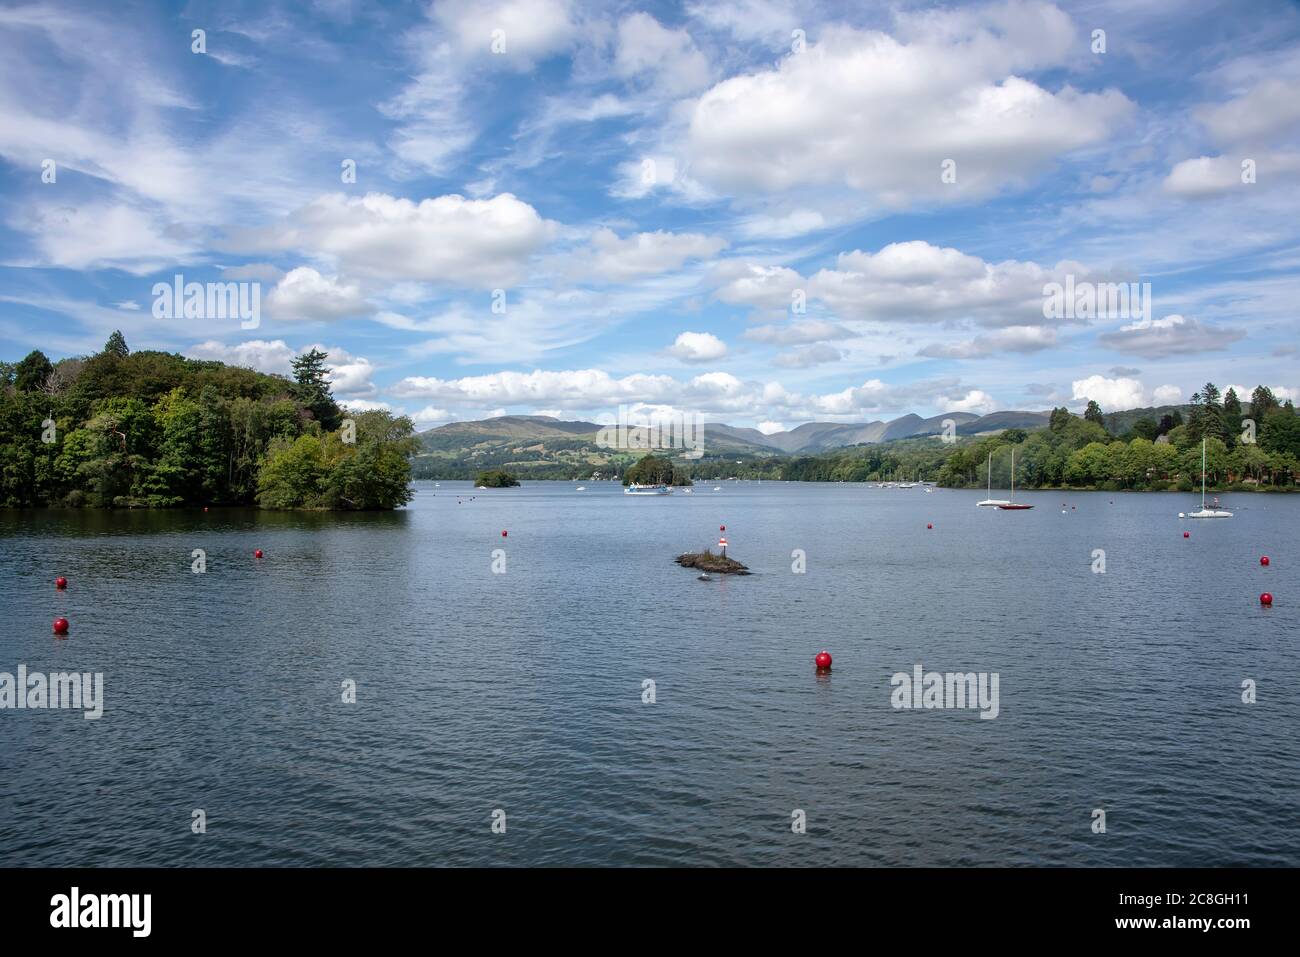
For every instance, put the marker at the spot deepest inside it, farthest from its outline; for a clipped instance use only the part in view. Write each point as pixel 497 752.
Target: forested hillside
pixel 155 429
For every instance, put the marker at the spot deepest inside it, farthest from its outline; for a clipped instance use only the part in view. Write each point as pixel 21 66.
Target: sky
pixel 757 212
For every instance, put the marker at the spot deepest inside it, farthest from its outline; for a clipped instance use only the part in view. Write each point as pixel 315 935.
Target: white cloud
pixel 463 242
pixel 667 58
pixel 698 347
pixel 747 284
pixel 270 356
pixel 1172 335
pixel 951 89
pixel 1167 395
pixel 975 401
pixel 798 332
pixel 1113 395
pixel 770 428
pixel 645 254
pixel 1022 339
pixel 532 29
pixel 349 375
pixel 304 294
pixel 918 282
pixel 808 357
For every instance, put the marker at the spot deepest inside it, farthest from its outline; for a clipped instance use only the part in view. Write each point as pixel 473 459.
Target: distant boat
pixel 635 489
pixel 717 488
pixel 990 500
pixel 581 488
pixel 1206 511
pixel 1013 506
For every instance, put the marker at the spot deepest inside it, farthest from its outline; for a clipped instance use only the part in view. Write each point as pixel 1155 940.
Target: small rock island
pixel 706 561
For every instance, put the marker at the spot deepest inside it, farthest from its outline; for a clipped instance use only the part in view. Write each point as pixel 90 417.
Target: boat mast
pixel 990 492
pixel 1202 472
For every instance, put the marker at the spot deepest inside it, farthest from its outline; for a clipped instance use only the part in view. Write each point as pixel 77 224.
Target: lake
pixel 522 691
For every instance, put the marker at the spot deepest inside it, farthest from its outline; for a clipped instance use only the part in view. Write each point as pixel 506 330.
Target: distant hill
pixel 541 446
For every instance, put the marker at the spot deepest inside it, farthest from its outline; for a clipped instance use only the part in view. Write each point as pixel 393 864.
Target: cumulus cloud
pixel 645 254
pixel 712 393
pixel 918 282
pixel 1023 339
pixel 270 356
pixel 1113 395
pixel 698 347
pixel 449 239
pixel 748 284
pixel 953 86
pixel 304 294
pixel 1170 336
pixel 349 374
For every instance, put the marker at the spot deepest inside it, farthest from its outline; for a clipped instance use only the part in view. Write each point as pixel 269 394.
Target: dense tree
pixel 1093 414
pixel 495 478
pixel 313 388
pixel 655 470
pixel 30 374
pixel 1262 401
pixel 152 429
pixel 116 345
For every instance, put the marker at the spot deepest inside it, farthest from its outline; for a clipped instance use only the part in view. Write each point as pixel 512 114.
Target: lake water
pixel 522 691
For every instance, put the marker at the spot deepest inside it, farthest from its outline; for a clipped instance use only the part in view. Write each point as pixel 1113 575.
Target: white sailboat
pixel 1206 511
pixel 1013 506
pixel 991 500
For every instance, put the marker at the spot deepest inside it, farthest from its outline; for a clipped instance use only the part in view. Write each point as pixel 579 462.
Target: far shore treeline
pixel 155 430
pixel 1251 444
pixel 1079 452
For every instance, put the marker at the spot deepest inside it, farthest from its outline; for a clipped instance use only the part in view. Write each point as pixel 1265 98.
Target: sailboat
pixel 1013 506
pixel 1206 512
pixel 991 500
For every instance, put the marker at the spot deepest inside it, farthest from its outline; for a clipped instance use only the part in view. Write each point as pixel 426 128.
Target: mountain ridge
pixel 807 437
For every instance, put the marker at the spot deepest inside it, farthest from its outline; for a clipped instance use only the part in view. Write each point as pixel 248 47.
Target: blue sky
pixel 762 212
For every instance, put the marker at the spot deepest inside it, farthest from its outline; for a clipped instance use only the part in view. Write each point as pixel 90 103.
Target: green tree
pixel 313 388
pixel 116 345
pixel 495 478
pixel 1093 414
pixel 30 374
pixel 293 474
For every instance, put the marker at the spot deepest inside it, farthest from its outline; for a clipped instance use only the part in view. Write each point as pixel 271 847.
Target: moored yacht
pixel 991 500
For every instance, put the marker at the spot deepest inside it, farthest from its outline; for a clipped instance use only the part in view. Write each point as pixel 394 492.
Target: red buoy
pixel 61 626
pixel 61 583
pixel 928 525
pixel 257 553
pixel 1263 560
pixel 823 660
pixel 503 533
pixel 722 528
pixel 1266 599
pixel 1187 534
